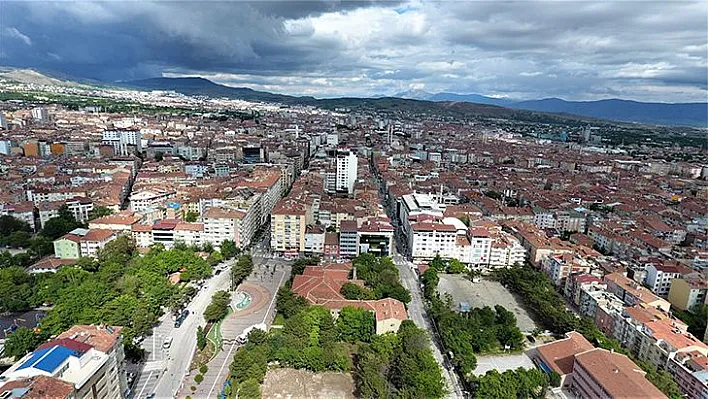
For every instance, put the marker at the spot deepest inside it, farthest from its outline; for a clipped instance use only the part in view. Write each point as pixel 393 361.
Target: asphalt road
pixel 164 367
pixel 417 313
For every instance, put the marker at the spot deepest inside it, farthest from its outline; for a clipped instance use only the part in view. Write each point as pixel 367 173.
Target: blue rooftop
pixel 48 359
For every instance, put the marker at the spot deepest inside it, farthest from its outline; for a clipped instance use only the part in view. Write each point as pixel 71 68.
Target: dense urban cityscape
pixel 195 247
pixel 344 199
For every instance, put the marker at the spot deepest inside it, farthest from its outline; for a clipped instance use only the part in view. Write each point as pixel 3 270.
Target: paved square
pixel 502 363
pixel 484 293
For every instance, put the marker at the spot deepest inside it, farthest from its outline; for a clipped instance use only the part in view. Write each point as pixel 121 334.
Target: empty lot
pixel 484 293
pixel 302 384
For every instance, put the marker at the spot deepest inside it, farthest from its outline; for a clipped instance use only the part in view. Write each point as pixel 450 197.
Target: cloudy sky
pixel 648 51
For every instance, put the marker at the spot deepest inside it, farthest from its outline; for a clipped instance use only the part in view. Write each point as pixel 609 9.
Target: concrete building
pixel 224 224
pixel 40 114
pixel 346 171
pixel 287 227
pixel 688 292
pixel 348 239
pixel 659 277
pixel 632 293
pixel 599 373
pixel 124 142
pixel 23 211
pixel 82 243
pixel 592 373
pixel 90 358
pixel 558 267
pixel 142 200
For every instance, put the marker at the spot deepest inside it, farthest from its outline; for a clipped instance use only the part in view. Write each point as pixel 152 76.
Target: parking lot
pixel 484 293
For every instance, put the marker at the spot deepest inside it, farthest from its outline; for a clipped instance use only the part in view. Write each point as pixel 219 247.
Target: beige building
pixel 287 227
pixel 689 292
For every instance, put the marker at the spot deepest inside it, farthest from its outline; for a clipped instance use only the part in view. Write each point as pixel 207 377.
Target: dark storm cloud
pixel 643 50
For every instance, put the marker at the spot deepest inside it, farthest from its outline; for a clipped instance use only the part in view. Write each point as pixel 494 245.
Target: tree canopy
pixel 381 276
pixel 218 308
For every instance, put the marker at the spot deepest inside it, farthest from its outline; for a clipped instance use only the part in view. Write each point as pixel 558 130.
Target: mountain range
pixel 680 114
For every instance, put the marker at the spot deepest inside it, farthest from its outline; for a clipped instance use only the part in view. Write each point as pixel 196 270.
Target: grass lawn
pixel 214 335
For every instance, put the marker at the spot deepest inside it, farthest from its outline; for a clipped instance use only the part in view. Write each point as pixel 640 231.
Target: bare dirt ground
pixel 484 293
pixel 303 384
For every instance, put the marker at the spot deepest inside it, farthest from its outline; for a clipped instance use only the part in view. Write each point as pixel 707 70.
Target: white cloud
pixel 13 33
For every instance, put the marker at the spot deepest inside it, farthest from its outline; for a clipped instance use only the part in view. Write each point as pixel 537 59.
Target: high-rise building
pixel 346 170
pixel 40 114
pixel 124 142
pixel 3 121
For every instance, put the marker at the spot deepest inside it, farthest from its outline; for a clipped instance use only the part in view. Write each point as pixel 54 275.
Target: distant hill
pixel 687 114
pixel 195 86
pixel 30 76
pixel 438 97
pixel 682 114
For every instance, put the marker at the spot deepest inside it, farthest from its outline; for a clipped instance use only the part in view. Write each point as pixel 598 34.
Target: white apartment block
pixel 481 246
pixel 142 200
pixel 414 205
pixel 346 171
pixel 23 211
pixel 54 195
pixel 223 224
pixel 123 141
pixel 90 358
pixel 659 278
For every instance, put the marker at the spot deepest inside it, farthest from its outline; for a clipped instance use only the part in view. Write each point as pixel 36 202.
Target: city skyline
pixel 646 51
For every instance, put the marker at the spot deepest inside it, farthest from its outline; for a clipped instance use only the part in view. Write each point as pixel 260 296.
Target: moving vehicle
pixel 241 339
pixel 181 317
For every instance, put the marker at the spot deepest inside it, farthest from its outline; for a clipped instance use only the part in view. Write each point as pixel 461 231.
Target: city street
pixel 164 368
pixel 263 284
pixel 417 313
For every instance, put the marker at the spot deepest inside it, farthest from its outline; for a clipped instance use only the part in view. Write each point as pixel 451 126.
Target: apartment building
pixel 346 171
pixel 632 293
pixel 36 387
pixel 143 200
pixel 659 277
pixel 690 371
pixel 287 226
pixel 80 207
pixel 314 240
pixel 89 358
pixel 119 222
pixel 348 239
pixel 414 205
pixel 558 267
pixel 688 292
pixel 53 194
pixel 537 245
pixel 124 142
pixel 23 211
pixel 224 224
pixel 82 243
